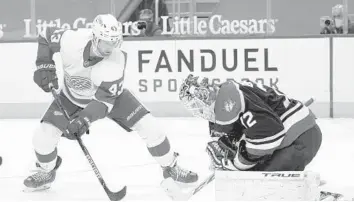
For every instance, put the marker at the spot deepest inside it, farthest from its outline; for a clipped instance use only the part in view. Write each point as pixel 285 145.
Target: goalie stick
pixel 113 196
pixel 179 195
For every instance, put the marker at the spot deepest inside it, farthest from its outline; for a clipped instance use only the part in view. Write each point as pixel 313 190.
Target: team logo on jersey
pixel 78 83
pixel 229 105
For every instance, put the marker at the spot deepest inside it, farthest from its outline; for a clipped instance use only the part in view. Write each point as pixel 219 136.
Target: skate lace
pixel 181 172
pixel 40 176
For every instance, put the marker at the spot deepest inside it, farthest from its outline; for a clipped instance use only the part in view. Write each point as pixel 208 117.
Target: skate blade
pixel 38 189
pixel 181 185
pixel 186 185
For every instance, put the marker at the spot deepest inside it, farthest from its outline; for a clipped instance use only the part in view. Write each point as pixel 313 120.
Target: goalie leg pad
pixel 277 186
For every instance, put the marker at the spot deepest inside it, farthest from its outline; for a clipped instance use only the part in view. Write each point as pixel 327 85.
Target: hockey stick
pixel 113 196
pixel 177 194
pixel 309 102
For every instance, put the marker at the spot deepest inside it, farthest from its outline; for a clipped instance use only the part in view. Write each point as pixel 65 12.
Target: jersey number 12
pixel 248 120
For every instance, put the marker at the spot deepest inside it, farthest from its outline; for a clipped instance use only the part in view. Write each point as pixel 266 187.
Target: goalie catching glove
pixel 224 154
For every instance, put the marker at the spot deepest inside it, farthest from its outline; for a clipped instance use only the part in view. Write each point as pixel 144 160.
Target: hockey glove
pixel 44 75
pixel 221 153
pixel 77 127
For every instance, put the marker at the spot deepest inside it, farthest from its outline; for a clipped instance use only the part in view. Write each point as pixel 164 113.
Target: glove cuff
pixel 46 66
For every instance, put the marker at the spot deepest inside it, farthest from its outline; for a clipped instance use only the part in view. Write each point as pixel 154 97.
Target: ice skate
pixel 42 179
pixel 179 175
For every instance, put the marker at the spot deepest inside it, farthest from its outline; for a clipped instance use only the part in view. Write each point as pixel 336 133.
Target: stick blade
pixel 117 196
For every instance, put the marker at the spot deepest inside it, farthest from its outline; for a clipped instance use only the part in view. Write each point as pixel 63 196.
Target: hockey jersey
pixel 90 82
pixel 265 118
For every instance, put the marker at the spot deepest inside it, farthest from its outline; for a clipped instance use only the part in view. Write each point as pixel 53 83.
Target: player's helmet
pixel 106 28
pixel 199 96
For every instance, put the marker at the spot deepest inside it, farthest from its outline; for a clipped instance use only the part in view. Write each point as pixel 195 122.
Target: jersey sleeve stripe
pixel 290 112
pixel 296 125
pixel 267 139
pixel 241 163
pixel 266 146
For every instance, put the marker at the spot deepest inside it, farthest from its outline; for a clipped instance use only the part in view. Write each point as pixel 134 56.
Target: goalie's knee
pixel 45 140
pixel 250 185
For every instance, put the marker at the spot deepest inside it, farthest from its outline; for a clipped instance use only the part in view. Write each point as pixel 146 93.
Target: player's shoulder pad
pixel 229 103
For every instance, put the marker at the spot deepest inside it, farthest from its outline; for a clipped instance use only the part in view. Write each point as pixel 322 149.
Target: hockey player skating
pixel 254 127
pixel 94 68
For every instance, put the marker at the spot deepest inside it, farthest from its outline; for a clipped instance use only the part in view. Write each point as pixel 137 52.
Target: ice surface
pixel 123 159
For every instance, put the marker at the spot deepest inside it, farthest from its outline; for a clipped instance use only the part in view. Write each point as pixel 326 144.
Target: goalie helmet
pixel 107 34
pixel 198 96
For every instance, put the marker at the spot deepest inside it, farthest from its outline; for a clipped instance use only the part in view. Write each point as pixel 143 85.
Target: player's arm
pixel 48 44
pixel 109 80
pixel 263 132
pixel 104 99
pixel 98 108
pixel 263 135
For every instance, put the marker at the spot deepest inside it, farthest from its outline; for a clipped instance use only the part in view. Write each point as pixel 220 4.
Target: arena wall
pixel 302 67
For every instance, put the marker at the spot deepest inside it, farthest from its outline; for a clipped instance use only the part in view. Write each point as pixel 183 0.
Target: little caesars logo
pixel 2 26
pixel 216 25
pixel 41 25
pixel 129 28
